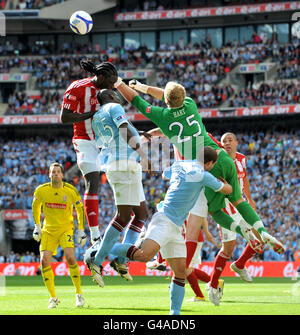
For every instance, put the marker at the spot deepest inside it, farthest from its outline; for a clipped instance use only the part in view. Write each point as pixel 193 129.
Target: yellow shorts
pixel 50 241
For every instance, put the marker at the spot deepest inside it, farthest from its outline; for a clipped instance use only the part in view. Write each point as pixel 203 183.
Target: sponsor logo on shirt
pixel 148 109
pixel 93 101
pixel 70 97
pixel 120 117
pixel 55 206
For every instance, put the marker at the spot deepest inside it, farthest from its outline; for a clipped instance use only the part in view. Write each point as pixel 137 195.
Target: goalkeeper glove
pixel 37 233
pixel 138 86
pixel 81 237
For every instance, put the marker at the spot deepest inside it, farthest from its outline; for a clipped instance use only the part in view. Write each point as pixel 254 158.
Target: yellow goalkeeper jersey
pixel 58 205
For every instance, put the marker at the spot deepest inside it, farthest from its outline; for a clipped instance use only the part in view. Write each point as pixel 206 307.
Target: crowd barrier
pixel 256 269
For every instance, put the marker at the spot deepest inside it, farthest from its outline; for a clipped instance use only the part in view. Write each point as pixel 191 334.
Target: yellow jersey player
pixel 57 198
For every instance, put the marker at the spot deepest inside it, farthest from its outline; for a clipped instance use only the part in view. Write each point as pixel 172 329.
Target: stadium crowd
pixel 273 165
pixel 267 94
pixel 29 4
pixel 200 69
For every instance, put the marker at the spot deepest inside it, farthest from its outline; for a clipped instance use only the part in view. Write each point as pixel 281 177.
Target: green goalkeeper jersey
pixel 183 125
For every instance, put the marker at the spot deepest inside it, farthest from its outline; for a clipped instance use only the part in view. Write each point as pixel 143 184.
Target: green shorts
pixel 226 169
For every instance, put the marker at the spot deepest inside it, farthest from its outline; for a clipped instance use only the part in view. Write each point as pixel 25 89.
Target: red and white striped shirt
pixel 81 97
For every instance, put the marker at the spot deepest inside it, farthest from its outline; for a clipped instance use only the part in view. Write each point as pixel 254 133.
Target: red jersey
pixel 81 97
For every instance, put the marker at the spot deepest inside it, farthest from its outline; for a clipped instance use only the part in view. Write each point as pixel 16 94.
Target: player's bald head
pixel 107 95
pixel 228 134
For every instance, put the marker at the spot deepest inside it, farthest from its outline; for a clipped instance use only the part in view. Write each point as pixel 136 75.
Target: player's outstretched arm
pixel 156 132
pixel 127 92
pixel 156 92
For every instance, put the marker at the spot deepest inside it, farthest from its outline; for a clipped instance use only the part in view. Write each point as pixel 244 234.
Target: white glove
pixel 138 86
pixel 81 237
pixel 37 233
pixel 118 82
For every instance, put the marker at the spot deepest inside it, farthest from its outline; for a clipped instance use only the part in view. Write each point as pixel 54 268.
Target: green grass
pixel 149 296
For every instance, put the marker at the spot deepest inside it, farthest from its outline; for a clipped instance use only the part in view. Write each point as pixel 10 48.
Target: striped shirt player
pixel 79 105
pixel 81 98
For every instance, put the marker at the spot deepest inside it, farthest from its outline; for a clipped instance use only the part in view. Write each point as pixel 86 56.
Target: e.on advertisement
pixel 259 269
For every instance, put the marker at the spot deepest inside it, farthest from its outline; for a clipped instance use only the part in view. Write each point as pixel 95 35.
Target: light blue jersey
pixel 106 123
pixel 187 179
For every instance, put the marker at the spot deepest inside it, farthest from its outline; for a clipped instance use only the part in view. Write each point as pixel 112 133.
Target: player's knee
pixel 45 261
pixel 70 260
pixel 228 248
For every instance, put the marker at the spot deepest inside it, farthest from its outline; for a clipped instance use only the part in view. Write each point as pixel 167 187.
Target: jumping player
pixel 164 233
pixel 183 125
pixel 124 172
pixel 79 105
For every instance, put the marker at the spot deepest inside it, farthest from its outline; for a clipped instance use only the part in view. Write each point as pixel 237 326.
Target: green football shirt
pixel 183 126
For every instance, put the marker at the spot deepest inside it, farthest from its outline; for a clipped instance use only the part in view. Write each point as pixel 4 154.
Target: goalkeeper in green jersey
pixel 181 122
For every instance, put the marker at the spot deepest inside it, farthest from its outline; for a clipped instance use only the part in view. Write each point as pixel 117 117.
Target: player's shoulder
pixel 70 187
pixel 239 156
pixel 43 187
pixel 79 84
pixel 188 100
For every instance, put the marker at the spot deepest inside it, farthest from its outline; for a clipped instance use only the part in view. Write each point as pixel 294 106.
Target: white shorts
pixel 87 156
pixel 126 184
pixel 168 235
pixel 227 235
pixel 200 208
pixel 197 255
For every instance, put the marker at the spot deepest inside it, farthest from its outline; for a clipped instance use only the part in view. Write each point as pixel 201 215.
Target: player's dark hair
pixel 207 154
pixel 210 155
pixel 105 69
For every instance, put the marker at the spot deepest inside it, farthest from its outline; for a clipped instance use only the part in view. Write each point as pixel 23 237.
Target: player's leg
pixel 67 243
pixel 194 223
pixel 113 232
pixel 193 274
pixel 87 154
pixel 48 247
pixel 239 265
pixel 91 203
pixel 177 287
pixel 251 217
pixel 225 168
pixel 132 233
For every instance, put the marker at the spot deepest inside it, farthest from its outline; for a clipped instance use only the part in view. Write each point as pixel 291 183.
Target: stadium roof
pixel 64 10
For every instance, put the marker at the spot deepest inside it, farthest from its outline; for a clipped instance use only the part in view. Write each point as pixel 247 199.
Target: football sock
pixel 219 266
pixel 48 278
pixel 247 254
pixel 75 276
pixel 132 233
pixel 226 221
pixel 193 281
pixel 111 236
pixel 201 275
pixel 91 207
pixel 120 249
pixel 249 215
pixel 177 291
pixel 190 251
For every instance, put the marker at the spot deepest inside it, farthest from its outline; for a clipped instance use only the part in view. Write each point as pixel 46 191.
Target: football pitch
pixel 148 296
